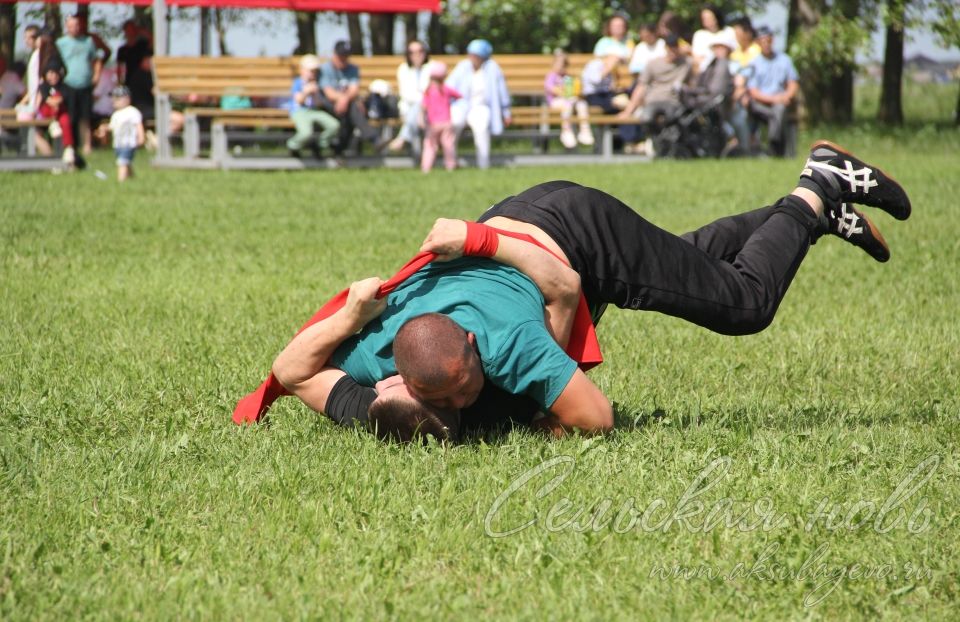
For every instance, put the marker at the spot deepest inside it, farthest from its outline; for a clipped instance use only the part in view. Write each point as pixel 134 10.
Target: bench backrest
pixel 271 77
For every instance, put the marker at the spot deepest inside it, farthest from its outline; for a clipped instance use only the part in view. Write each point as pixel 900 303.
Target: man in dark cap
pixel 772 86
pixel 340 84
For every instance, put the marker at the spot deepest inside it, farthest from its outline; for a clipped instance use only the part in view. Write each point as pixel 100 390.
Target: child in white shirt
pixel 126 124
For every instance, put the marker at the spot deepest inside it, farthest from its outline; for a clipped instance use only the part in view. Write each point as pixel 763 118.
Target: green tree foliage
pixel 518 26
pixel 824 38
pixel 947 29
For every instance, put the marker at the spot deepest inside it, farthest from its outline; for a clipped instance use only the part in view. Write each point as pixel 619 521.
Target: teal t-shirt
pixel 501 306
pixel 78 54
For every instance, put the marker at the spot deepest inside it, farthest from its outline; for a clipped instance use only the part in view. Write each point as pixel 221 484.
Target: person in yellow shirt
pixel 747 48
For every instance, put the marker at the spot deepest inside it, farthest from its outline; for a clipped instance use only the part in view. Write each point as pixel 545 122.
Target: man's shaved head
pixel 427 347
pixel 436 358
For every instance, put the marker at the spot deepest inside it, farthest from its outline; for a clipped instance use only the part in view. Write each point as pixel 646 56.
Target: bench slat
pixel 267 77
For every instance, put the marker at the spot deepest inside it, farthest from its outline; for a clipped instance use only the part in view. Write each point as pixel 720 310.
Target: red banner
pixel 339 6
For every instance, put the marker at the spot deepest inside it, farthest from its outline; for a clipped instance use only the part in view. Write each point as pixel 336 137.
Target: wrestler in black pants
pixel 728 276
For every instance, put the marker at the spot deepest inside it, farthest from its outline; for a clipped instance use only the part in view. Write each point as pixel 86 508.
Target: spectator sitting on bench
pixel 103 105
pixel 772 86
pixel 51 104
pixel 304 101
pixel 485 105
pixel 715 79
pixel 598 87
pixel 651 46
pixel 32 77
pixel 598 83
pixel 11 83
pixel 671 23
pixel 616 39
pixel 711 20
pixel 340 85
pixel 560 91
pixel 413 78
pixel 658 90
pixel 747 48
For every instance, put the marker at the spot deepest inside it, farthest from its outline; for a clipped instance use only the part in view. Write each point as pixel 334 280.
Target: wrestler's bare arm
pixel 581 406
pixel 301 366
pixel 558 282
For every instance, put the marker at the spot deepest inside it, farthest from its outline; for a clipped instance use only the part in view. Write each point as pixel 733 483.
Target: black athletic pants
pixel 728 276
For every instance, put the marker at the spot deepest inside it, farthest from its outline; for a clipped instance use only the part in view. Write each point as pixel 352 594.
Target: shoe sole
pixel 890 178
pixel 878 236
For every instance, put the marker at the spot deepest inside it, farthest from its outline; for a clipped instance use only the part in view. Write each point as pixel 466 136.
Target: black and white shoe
pixel 846 222
pixel 847 179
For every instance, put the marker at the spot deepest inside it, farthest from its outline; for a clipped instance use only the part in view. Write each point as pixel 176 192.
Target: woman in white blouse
pixel 413 77
pixel 711 18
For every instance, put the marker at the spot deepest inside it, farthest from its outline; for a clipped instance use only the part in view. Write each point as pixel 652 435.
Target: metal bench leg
pixel 790 139
pixel 218 144
pixel 31 141
pixel 191 136
pixel 607 142
pixel 162 116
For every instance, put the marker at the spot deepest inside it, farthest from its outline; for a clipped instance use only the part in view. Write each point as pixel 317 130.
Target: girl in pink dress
pixel 435 120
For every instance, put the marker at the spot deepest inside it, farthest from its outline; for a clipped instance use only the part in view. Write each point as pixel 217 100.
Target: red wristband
pixel 482 241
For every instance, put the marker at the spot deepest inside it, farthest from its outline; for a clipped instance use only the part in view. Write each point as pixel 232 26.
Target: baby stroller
pixel 693 131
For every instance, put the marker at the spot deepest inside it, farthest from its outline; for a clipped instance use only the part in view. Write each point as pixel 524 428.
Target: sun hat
pixel 481 48
pixel 309 61
pixel 725 38
pixel 438 69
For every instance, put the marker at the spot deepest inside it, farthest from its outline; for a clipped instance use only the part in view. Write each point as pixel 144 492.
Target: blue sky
pixel 277 39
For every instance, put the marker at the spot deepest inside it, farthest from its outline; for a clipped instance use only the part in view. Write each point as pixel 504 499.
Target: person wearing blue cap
pixel 485 105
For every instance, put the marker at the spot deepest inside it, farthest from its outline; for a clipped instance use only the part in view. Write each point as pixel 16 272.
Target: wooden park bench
pixel 26 158
pixel 267 79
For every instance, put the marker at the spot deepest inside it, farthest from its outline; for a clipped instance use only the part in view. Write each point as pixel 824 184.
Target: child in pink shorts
pixel 435 119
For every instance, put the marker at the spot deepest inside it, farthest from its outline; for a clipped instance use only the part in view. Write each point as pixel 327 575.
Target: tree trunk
pixel 306 32
pixel 828 98
pixel 8 31
pixel 356 33
pixel 891 94
pixel 381 32
pixel 144 17
pixel 221 31
pixel 410 27
pixel 52 20
pixel 204 31
pixel 436 34
pixel 957 118
pixel 802 15
pixel 841 90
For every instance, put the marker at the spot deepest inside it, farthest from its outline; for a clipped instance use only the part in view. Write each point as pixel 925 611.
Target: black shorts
pixel 728 276
pixel 79 102
pixel 567 212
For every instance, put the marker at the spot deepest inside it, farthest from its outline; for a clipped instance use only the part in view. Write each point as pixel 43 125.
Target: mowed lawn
pixel 808 471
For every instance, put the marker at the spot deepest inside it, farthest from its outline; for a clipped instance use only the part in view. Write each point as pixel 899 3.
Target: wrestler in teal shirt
pixel 501 306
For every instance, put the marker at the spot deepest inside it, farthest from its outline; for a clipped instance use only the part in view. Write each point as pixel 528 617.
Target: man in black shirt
pixel 134 65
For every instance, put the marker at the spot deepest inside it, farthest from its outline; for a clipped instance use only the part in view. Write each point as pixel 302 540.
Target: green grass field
pixel 135 316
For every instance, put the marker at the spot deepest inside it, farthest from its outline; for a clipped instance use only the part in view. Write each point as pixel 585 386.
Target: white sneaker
pixel 585 137
pixel 69 157
pixel 568 139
